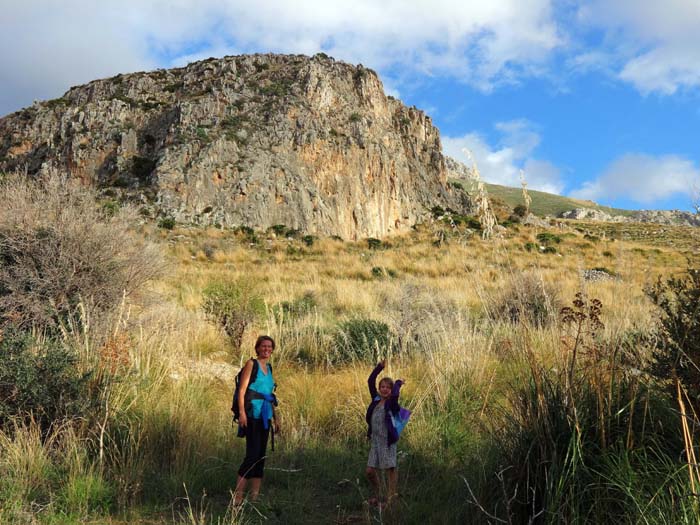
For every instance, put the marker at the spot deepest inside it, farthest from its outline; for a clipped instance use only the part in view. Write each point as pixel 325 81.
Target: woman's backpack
pixel 253 376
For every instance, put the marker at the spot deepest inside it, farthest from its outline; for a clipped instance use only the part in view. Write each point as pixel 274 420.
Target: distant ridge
pixel 549 204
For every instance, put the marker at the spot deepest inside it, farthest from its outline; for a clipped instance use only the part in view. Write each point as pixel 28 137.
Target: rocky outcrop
pixel 670 217
pixel 253 140
pixel 458 170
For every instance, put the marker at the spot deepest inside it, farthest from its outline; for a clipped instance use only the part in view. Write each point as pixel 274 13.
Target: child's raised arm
pixel 372 379
pixel 393 401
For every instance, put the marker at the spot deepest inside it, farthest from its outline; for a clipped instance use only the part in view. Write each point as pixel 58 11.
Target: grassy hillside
pixel 547 203
pixel 518 414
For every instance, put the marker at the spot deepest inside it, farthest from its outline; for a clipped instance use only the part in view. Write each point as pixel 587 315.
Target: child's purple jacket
pixel 391 405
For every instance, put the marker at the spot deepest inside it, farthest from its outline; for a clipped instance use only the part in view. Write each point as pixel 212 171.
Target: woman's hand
pixel 382 363
pixel 243 420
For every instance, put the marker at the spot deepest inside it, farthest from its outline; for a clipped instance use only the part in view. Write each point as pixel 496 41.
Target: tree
pixel 233 305
pixel 63 255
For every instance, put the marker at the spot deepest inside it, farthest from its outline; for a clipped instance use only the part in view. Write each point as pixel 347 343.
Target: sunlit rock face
pixel 254 140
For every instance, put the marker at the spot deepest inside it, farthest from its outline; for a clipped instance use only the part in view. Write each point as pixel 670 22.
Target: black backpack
pixel 253 377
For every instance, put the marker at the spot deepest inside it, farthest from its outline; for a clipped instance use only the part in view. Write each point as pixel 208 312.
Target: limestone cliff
pixel 255 140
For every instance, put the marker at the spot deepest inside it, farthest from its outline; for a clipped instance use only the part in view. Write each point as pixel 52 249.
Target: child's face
pixel 384 389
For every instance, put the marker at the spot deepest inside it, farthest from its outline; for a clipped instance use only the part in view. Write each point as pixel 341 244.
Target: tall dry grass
pixel 165 432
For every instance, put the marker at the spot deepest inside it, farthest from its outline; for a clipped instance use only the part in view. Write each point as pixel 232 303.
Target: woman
pixel 256 409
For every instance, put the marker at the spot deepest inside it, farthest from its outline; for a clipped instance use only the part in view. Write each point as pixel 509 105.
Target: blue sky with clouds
pixel 597 99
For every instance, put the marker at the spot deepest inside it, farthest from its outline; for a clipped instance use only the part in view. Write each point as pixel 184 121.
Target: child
pixel 385 420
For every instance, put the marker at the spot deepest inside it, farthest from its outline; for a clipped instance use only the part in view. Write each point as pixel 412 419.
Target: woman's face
pixel 264 350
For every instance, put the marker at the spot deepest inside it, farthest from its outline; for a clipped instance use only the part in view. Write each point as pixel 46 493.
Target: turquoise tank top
pixel 263 384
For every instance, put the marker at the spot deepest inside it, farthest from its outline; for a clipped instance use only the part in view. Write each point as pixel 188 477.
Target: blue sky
pixel 597 99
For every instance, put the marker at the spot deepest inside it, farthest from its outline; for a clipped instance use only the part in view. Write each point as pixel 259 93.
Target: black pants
pixel 255 444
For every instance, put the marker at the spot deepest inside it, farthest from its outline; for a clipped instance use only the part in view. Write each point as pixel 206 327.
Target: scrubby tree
pixel 233 305
pixel 678 355
pixel 63 256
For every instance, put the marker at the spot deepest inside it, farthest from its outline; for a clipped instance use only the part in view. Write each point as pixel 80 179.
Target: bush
pixel 39 380
pixel 379 272
pixel 278 229
pixel 166 223
pixel 233 305
pixel 374 244
pixel 61 252
pixel 142 167
pixel 530 246
pixel 549 249
pixel 361 339
pixel 308 240
pixel 299 307
pixel 437 211
pixel 547 238
pixel 678 352
pixel 520 210
pixel 527 298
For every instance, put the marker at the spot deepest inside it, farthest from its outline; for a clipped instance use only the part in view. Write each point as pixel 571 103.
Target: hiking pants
pixel 255 445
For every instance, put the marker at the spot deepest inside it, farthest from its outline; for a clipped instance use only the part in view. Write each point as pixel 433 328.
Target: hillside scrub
pixel 59 249
pixel 513 420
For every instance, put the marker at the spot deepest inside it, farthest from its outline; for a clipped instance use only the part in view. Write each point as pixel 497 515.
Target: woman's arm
pixel 372 379
pixel 242 387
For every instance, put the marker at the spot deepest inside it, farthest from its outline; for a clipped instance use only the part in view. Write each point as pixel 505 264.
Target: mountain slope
pixel 253 140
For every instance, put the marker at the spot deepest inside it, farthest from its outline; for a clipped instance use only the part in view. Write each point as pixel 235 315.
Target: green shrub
pixel 530 246
pixel 373 244
pixel 380 272
pixel 549 249
pixel 592 238
pixel 175 86
pixel 678 351
pixel 166 223
pixel 39 380
pixel 361 339
pixel 355 117
pixel 278 229
pixel 299 307
pixel 437 211
pixel 547 238
pixel 233 305
pixel 142 167
pixel 607 253
pixel 202 134
pixel 520 210
pixel 308 240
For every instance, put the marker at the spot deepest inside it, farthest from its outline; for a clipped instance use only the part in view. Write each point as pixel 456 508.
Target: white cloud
pixel 501 164
pixel 656 44
pixel 643 179
pixel 49 46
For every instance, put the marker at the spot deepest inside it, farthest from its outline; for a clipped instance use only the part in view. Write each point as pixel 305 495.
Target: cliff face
pixel 254 140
